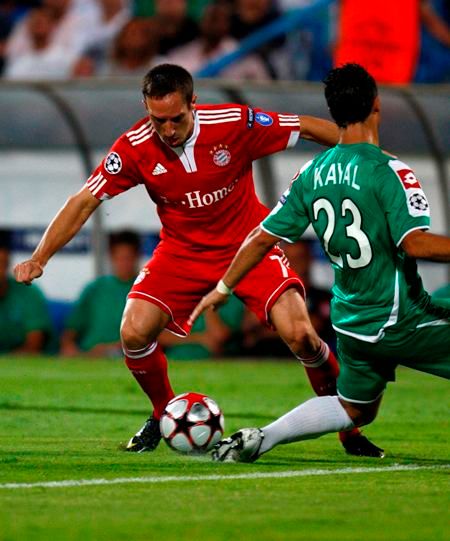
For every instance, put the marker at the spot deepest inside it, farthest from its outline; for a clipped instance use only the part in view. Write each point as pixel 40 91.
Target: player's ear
pixel 144 103
pixel 194 100
pixel 376 105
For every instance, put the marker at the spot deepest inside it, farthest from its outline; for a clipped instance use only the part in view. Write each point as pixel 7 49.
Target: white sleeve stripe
pixel 275 234
pixel 422 227
pixel 293 138
pixel 142 134
pixel 99 187
pixel 93 185
pixel 219 115
pixel 133 132
pixel 92 181
pixel 139 141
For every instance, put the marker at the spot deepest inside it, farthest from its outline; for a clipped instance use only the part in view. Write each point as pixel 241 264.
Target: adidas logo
pixel 159 169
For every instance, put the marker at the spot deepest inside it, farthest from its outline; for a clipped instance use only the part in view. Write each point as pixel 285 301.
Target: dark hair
pixel 125 237
pixel 168 78
pixel 5 239
pixel 350 92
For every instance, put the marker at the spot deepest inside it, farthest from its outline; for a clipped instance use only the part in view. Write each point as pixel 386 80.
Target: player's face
pixel 124 261
pixel 172 118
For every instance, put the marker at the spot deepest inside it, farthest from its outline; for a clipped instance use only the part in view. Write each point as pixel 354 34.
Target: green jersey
pixel 361 203
pixel 22 310
pixel 97 314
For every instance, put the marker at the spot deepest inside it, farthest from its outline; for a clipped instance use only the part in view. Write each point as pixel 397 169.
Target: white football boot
pixel 242 446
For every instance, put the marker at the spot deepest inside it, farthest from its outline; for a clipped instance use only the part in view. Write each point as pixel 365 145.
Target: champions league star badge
pixel 113 163
pixel 221 155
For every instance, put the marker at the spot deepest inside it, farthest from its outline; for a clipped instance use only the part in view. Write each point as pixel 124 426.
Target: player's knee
pixel 132 336
pixel 360 414
pixel 301 338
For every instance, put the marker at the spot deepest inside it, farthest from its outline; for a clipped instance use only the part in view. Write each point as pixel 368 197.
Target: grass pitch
pixel 64 420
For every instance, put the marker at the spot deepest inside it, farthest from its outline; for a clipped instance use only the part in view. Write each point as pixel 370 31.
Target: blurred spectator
pixel 214 41
pixel 24 319
pixel 10 12
pixel 71 28
pixel 262 341
pixel 214 334
pixel 434 61
pixel 135 49
pixel 41 60
pixel 146 8
pixel 94 325
pixel 175 25
pixel 114 14
pixel 251 15
pixel 384 37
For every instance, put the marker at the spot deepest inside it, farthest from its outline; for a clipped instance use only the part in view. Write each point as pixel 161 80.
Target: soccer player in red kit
pixel 195 161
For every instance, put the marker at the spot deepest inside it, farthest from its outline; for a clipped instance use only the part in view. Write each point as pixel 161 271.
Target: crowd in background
pixel 56 39
pixel 90 326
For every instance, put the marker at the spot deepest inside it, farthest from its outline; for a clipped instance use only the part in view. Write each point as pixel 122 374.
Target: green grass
pixel 66 419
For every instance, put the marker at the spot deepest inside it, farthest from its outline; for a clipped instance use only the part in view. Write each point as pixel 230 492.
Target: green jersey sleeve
pixel 403 201
pixel 36 317
pixel 289 218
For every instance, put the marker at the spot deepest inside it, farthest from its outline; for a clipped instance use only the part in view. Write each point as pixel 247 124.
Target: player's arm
pixel 251 252
pixel 319 130
pixel 423 245
pixel 61 230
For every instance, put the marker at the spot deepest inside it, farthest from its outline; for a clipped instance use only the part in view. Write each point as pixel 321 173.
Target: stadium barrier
pixel 52 135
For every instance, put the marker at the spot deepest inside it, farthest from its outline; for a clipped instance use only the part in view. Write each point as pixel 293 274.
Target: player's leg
pixel 312 419
pixel 289 315
pixel 142 322
pixel 427 349
pixel 272 291
pixel 361 384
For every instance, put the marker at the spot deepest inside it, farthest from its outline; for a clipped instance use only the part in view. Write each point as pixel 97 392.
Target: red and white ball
pixel 192 423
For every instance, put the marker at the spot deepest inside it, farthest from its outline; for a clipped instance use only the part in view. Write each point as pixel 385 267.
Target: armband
pixel 223 288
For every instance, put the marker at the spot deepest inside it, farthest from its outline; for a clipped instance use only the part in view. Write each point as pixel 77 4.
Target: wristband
pixel 223 288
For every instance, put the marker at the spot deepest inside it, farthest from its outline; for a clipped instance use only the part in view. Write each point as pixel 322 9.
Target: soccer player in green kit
pixel 371 216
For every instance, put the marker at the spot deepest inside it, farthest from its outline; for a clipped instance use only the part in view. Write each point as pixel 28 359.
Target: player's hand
pixel 213 300
pixel 27 271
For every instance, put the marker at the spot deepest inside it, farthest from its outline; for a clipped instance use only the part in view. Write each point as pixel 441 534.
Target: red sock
pixel 322 371
pixel 149 367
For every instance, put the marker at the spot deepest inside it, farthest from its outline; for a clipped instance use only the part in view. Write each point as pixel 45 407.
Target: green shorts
pixel 423 344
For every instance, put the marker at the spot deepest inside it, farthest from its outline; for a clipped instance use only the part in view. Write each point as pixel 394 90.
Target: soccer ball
pixel 192 423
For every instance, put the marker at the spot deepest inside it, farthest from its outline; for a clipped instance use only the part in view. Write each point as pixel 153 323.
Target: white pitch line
pixel 230 477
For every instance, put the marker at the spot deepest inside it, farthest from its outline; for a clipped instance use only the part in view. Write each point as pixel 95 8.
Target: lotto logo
pixel 408 179
pixel 113 163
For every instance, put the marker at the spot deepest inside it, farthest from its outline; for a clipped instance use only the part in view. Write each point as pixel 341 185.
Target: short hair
pixel 127 237
pixel 168 78
pixel 350 92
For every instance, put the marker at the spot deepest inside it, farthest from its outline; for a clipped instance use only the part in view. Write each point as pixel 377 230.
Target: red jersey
pixel 203 190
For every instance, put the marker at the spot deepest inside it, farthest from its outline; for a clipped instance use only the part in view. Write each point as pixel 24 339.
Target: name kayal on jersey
pixel 336 175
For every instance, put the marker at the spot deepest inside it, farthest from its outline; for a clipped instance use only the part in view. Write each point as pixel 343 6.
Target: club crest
pixel 221 155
